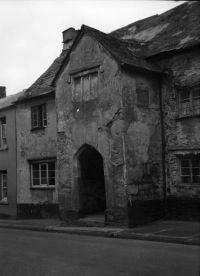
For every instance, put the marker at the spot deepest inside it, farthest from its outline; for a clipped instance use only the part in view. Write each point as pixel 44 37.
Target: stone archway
pixel 91 182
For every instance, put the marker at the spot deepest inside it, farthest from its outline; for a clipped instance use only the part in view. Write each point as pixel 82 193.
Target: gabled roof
pixel 124 52
pixel 176 29
pixel 43 85
pixel 10 100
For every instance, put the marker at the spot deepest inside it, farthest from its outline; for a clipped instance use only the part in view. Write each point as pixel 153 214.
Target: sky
pixel 31 31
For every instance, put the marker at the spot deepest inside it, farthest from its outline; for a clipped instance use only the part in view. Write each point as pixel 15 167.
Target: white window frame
pixel 35 111
pixel 3 134
pixel 188 106
pixel 40 164
pixel 3 180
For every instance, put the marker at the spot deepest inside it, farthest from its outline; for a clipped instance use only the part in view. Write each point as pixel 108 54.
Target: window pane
pixel 185 163
pixel 3 120
pixel 3 128
pixel 186 179
pixel 5 193
pixel 36 181
pixel 44 115
pixel 196 171
pixel 35 167
pixel 94 84
pixel 40 111
pixel 143 97
pixel 52 181
pixel 34 116
pixel 43 168
pixel 185 171
pixel 51 166
pixel 196 179
pixel 35 174
pixel 195 162
pixel 77 89
pixel 184 96
pixel 196 93
pixel 86 88
pixel 51 173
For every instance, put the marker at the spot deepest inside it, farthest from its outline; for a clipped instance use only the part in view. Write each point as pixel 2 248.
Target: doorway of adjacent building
pixel 92 183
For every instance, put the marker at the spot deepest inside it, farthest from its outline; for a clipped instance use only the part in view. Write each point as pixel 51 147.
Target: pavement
pixel 171 231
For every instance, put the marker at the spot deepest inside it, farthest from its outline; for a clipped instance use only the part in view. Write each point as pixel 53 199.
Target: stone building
pixel 172 42
pixel 108 127
pixel 114 124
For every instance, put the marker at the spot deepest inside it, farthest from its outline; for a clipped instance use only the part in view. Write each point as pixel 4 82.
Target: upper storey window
pixel 142 96
pixel 3 139
pixel 189 102
pixel 38 116
pixel 85 86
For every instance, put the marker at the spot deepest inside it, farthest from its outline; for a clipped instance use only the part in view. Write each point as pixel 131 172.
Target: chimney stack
pixel 2 92
pixel 68 38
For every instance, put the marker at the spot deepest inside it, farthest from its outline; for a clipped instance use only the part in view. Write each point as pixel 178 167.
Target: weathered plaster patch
pixel 139 135
pixel 186 39
pixel 147 34
pixel 178 33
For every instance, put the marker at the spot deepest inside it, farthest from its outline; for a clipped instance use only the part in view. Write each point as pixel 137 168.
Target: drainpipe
pixel 163 147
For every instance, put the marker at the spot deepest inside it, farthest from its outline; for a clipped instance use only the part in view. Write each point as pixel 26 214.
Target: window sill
pixel 4 203
pixel 184 117
pixel 4 148
pixel 43 188
pixel 190 184
pixel 37 128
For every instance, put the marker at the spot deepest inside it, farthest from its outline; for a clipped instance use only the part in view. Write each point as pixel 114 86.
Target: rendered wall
pixel 8 162
pixel 34 144
pixel 126 136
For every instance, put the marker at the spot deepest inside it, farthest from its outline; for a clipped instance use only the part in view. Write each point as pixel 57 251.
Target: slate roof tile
pixel 177 28
pixel 43 85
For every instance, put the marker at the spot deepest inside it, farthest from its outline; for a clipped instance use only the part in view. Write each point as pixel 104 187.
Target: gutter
pixel 30 98
pixel 163 148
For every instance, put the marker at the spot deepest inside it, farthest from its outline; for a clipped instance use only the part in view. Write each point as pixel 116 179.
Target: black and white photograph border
pixel 99 137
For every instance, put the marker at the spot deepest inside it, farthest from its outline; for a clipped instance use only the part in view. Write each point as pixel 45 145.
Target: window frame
pixel 190 108
pixel 140 88
pixel 82 75
pixel 3 133
pixel 3 199
pixel 191 175
pixel 40 113
pixel 41 163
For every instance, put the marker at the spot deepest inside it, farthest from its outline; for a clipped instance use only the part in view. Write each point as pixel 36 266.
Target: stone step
pixel 92 221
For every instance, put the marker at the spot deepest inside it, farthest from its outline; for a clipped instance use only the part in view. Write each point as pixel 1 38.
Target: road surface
pixel 42 253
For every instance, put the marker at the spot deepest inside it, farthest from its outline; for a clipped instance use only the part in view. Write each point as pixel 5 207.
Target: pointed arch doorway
pixel 91 184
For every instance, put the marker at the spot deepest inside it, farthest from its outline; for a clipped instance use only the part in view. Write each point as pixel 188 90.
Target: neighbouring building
pixel 113 125
pixel 172 41
pixel 8 152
